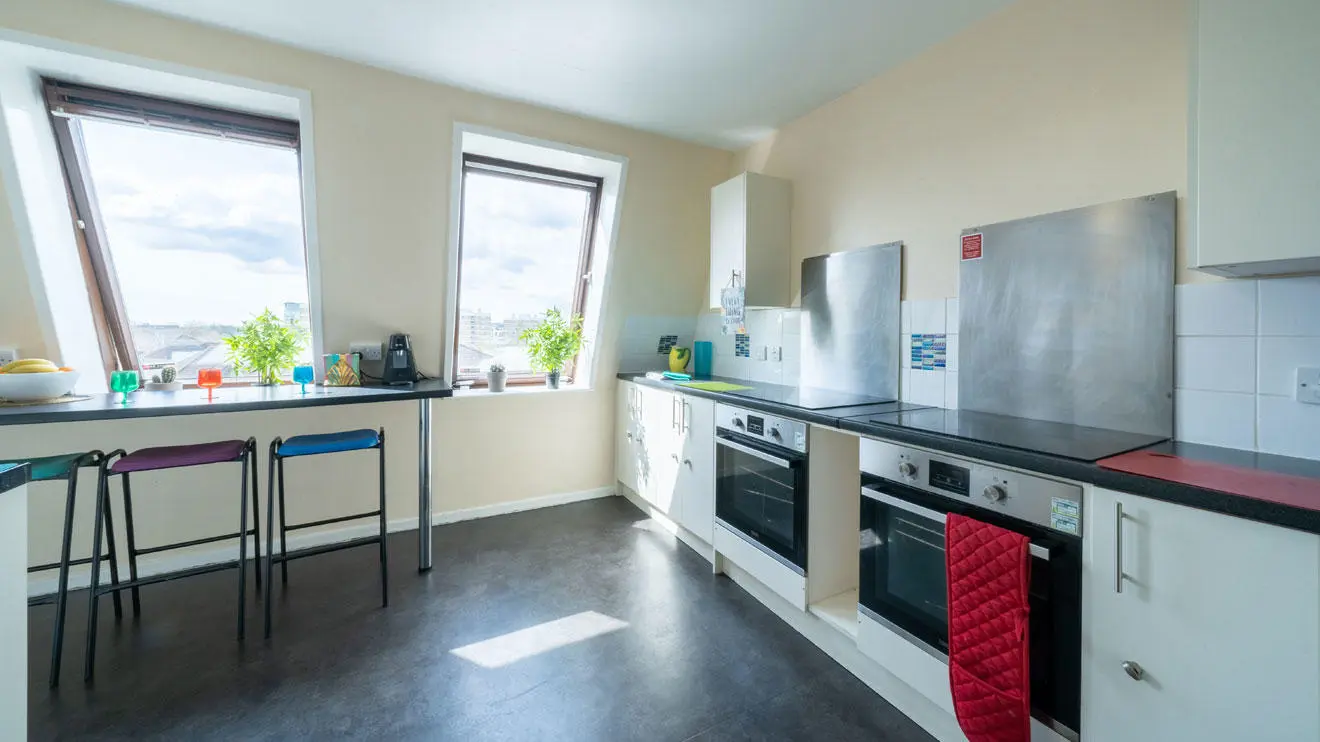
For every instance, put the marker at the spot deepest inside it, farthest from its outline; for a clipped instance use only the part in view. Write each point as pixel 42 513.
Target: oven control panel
pixel 776 431
pixel 1036 499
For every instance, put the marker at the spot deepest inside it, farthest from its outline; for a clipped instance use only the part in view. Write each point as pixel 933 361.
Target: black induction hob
pixel 1040 436
pixel 808 398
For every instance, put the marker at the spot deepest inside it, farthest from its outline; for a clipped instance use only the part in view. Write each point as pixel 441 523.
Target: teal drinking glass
pixel 124 382
pixel 303 375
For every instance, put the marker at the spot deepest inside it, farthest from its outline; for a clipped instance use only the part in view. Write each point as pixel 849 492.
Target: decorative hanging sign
pixel 733 306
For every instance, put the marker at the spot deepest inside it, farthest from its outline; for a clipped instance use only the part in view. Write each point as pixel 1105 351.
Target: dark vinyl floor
pixel 698 659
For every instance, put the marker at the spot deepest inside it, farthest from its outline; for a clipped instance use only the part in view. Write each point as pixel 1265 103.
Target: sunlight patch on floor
pixel 518 645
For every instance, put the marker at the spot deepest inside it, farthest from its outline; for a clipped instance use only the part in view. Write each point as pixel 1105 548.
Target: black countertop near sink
pixel 917 429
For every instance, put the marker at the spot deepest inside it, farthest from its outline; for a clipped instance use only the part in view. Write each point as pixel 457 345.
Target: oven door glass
pixel 761 493
pixel 902 571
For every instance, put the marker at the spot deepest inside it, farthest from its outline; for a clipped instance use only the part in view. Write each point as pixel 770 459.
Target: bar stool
pixel 64 467
pixel 312 445
pixel 173 457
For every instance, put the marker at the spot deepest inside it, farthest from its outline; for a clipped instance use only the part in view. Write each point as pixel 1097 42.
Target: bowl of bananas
pixel 35 380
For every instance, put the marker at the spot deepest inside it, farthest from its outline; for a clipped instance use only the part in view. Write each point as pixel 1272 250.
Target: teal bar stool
pixel 315 445
pixel 64 467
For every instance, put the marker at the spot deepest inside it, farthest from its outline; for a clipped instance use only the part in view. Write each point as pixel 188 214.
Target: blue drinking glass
pixel 303 375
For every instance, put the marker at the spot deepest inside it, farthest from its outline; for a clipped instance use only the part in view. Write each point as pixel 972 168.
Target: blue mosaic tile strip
pixel 666 342
pixel 742 345
pixel 929 352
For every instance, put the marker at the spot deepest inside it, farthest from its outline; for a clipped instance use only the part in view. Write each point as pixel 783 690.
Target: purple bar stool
pixel 121 464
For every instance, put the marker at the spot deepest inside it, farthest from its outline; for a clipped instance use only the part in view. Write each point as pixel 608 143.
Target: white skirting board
pixel 44 583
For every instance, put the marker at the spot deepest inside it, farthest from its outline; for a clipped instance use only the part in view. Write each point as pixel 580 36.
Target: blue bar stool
pixel 313 445
pixel 64 467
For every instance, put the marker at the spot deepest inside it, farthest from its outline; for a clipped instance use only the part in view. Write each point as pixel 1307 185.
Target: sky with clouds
pixel 204 230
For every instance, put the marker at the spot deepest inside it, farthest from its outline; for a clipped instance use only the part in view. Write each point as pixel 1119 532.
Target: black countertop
pixel 916 429
pixel 227 399
pixel 13 476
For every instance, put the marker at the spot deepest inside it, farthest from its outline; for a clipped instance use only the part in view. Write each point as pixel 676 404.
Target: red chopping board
pixel 1284 489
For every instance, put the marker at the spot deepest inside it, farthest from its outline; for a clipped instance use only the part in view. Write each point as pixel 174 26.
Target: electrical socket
pixel 777 353
pixel 368 351
pixel 8 355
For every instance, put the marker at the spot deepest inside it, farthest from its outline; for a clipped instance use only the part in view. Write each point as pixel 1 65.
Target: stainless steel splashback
pixel 850 320
pixel 1069 317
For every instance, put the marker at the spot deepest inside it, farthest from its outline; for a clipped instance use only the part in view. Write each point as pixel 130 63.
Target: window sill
pixel 519 391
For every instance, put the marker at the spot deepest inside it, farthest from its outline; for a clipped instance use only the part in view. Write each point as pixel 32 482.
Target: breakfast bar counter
pixel 253 398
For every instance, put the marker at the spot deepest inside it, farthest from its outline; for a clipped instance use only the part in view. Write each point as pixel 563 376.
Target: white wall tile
pixel 951 315
pixel 1216 364
pixel 905 317
pixel 769 372
pixel 1289 428
pixel 905 384
pixel 791 321
pixel 905 352
pixel 708 326
pixel 1220 308
pixel 928 388
pixel 951 391
pixel 928 317
pixel 1215 418
pixel 951 353
pixel 1278 362
pixel 1290 306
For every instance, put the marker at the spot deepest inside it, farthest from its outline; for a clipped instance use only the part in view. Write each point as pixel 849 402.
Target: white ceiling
pixel 719 72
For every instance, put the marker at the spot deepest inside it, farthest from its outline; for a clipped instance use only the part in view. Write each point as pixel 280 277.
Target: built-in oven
pixel 761 482
pixel 907 495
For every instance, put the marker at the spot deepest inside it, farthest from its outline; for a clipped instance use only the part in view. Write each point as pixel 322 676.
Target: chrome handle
pixel 686 425
pixel 1118 550
pixel 687 463
pixel 629 436
pixel 1134 670
pixel 673 416
pixel 1036 550
pixel 674 456
pixel 777 461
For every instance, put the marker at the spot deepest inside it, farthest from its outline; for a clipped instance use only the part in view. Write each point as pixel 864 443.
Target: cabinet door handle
pixel 687 463
pixel 1118 554
pixel 687 426
pixel 1134 670
pixel 673 414
pixel 629 436
pixel 674 456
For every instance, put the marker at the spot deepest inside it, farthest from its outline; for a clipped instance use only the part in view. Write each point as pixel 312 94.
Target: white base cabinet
pixel 1214 635
pixel 665 452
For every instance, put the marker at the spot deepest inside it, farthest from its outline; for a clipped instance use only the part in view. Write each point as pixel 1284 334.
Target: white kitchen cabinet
pixel 1221 615
pixel 750 237
pixel 696 473
pixel 660 446
pixel 1255 107
pixel 626 426
pixel 665 453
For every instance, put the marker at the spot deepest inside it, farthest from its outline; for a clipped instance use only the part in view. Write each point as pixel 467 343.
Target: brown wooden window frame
pixel 592 185
pixel 68 103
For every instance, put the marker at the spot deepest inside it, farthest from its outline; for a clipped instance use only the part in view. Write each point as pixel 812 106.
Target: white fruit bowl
pixel 37 387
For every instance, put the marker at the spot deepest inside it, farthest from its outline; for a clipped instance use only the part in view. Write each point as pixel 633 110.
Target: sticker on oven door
pixel 1064 506
pixel 1065 523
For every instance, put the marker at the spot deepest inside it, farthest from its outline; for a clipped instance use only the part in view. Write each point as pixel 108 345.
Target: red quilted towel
pixel 989 572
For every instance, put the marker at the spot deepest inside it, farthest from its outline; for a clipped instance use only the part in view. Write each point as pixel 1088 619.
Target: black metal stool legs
pixel 270 530
pixel 284 529
pixel 98 523
pixel 385 552
pixel 242 545
pixel 132 542
pixel 256 521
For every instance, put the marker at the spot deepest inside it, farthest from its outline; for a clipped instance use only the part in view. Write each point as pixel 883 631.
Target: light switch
pixel 1308 385
pixel 777 353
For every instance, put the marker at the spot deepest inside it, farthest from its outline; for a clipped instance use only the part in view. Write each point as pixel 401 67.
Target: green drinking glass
pixel 124 382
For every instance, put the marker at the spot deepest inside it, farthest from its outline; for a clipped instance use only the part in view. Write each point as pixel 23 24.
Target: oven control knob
pixel 907 469
pixel 994 493
pixel 738 423
pixel 774 433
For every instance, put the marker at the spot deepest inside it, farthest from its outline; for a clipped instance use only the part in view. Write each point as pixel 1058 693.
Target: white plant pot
pixel 162 386
pixel 496 380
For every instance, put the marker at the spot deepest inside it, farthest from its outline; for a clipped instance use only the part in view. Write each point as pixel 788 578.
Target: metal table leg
pixel 424 487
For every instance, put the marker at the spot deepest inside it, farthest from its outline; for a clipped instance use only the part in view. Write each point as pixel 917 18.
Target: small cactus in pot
pixel 496 377
pixel 165 380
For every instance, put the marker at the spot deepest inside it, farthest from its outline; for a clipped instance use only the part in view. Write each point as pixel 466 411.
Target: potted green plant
pixel 266 345
pixel 553 343
pixel 496 377
pixel 166 380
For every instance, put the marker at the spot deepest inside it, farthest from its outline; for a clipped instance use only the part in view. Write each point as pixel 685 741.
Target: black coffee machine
pixel 400 368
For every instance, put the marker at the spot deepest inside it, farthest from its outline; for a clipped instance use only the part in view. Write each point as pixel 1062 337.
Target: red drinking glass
pixel 209 379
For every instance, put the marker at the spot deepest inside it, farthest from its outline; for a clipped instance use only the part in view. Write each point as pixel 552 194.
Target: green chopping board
pixel 714 386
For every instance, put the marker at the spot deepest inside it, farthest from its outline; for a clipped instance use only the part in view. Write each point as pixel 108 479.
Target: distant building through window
pixel 525 247
pixel 191 219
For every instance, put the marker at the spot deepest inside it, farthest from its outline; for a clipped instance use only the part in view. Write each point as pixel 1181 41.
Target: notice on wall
pixel 971 246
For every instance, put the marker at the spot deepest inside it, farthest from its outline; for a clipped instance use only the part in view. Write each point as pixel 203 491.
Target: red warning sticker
pixel 971 246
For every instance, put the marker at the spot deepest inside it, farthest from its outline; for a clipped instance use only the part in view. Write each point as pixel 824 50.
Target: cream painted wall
pixel 1046 105
pixel 383 145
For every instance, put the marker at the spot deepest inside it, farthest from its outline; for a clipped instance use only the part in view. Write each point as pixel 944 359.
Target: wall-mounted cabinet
pixel 1254 184
pixel 749 237
pixel 1196 625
